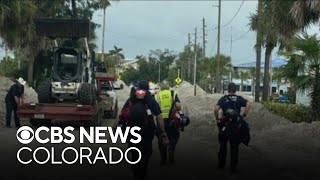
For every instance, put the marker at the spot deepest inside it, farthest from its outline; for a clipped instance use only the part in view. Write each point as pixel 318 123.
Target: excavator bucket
pixel 62 28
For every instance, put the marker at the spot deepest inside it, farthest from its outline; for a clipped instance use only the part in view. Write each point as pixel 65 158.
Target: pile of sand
pixel 185 88
pixel 30 95
pixel 123 94
pixel 267 129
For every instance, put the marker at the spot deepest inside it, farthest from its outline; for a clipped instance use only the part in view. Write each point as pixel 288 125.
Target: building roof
pixel 129 62
pixel 275 63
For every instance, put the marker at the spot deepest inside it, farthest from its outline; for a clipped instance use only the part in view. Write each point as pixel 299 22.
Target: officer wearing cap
pixel 139 93
pixel 13 101
pixel 227 124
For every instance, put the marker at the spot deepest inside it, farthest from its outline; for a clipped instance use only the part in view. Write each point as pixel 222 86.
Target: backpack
pixel 235 124
pixel 233 111
pixel 137 113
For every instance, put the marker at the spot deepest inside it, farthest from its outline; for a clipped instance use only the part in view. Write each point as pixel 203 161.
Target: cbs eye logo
pixel 25 134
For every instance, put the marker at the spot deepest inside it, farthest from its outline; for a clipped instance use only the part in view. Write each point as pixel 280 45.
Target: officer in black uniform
pixel 147 129
pixel 229 104
pixel 13 101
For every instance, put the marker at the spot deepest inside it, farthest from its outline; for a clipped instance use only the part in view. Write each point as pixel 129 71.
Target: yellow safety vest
pixel 165 102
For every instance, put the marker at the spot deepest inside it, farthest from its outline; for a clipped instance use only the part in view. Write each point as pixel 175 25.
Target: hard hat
pixel 185 121
pixel 231 114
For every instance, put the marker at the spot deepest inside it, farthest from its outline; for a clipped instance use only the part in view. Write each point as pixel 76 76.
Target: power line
pixel 214 44
pixel 234 14
pixel 136 37
pixel 211 29
pixel 243 35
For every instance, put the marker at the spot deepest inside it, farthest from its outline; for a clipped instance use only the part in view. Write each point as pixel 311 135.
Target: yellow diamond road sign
pixel 178 80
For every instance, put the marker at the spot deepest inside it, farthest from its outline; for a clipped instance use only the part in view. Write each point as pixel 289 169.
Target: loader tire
pixel 115 111
pixel 87 94
pixel 98 120
pixel 44 92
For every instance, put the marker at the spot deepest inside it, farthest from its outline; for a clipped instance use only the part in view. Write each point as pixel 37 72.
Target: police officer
pixel 147 131
pixel 13 101
pixel 230 104
pixel 168 100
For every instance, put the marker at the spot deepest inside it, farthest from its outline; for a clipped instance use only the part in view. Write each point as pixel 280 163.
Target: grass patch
pixel 293 112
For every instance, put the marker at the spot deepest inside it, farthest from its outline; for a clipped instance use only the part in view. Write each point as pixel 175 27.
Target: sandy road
pixel 279 149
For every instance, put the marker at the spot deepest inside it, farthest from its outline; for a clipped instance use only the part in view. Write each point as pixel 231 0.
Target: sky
pixel 140 26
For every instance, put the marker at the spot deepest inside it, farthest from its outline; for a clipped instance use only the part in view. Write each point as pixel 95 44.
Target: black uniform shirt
pixel 225 103
pixel 14 91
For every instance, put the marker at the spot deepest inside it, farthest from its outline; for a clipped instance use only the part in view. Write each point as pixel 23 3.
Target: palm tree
pixel 304 66
pixel 14 14
pixel 252 72
pixel 305 12
pixel 116 52
pixel 258 50
pixel 271 36
pixel 104 4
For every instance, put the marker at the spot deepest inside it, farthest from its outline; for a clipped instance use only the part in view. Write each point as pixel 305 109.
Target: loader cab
pixel 67 66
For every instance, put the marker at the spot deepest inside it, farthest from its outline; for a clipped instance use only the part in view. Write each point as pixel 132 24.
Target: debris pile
pixel 266 128
pixel 30 95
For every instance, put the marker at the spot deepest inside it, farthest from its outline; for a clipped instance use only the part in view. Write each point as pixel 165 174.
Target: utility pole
pixel 204 37
pixel 159 72
pixel 218 50
pixel 103 29
pixel 189 58
pixel 195 62
pixel 231 44
pixel 230 79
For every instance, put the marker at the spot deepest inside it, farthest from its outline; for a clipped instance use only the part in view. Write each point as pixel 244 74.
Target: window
pixel 105 86
pixel 67 66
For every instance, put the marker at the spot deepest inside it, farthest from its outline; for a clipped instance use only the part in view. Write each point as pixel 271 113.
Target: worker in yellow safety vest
pixel 168 101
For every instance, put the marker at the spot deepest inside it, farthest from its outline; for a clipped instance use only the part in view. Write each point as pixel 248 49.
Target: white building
pixel 127 64
pixel 247 85
pixel 303 98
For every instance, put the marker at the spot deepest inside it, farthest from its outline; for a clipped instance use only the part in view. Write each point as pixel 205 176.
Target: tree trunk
pixel 315 96
pixel 258 54
pixel 278 86
pixel 189 69
pixel 266 79
pixel 74 9
pixel 241 85
pixel 252 86
pixel 103 31
pixel 30 72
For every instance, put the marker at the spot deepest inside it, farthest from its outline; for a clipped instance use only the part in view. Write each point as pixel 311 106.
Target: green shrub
pixel 292 112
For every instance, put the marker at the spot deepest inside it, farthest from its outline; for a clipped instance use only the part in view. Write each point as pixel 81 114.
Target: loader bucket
pixel 62 28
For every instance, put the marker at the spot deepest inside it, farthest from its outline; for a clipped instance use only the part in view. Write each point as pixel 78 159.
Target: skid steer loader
pixel 72 78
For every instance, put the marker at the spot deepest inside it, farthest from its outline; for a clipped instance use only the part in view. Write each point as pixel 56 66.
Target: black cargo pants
pixel 145 147
pixel 12 108
pixel 173 136
pixel 224 137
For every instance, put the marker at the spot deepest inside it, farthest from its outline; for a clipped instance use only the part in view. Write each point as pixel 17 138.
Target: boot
pixel 171 157
pixel 221 165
